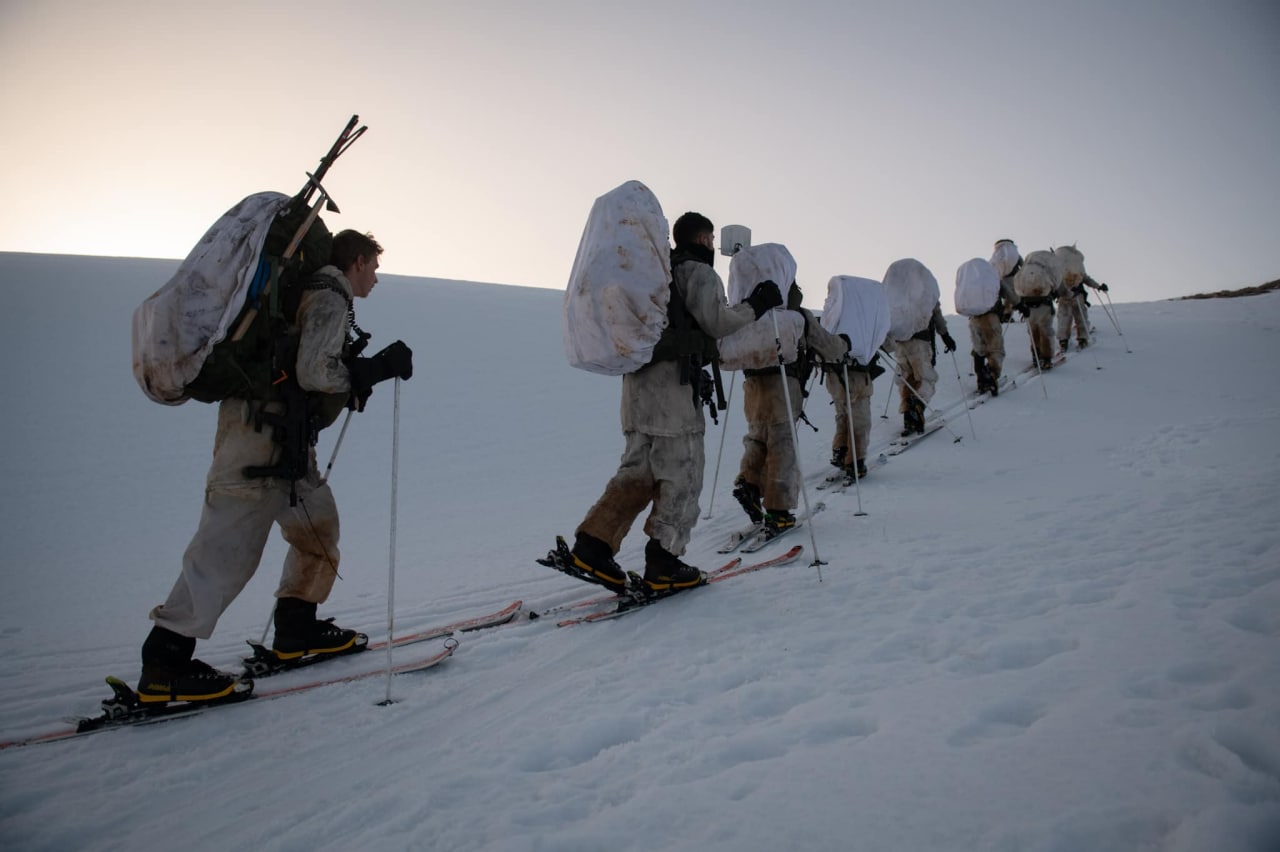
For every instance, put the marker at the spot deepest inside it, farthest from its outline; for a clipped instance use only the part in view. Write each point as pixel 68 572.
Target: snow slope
pixel 1061 633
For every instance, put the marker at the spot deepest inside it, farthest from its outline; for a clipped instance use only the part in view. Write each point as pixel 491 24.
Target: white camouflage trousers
pixel 665 471
pixel 915 369
pixel 986 333
pixel 859 397
pixel 1071 313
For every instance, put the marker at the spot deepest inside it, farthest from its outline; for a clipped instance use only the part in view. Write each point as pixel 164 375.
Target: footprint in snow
pixel 1014 654
pixel 1001 720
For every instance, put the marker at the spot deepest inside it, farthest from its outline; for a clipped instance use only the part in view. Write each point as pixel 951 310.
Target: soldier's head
pixel 693 229
pixel 356 254
pixel 795 298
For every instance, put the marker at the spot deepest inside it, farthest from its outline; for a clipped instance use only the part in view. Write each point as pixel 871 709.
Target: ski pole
pixel 897 371
pixel 1035 357
pixel 968 413
pixel 724 430
pixel 795 440
pixel 853 441
pixel 391 562
pixel 888 397
pixel 342 433
pixel 1111 316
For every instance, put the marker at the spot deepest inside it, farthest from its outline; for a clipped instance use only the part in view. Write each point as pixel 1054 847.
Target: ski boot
pixel 170 674
pixel 777 521
pixel 595 558
pixel 748 496
pixel 665 573
pixel 301 636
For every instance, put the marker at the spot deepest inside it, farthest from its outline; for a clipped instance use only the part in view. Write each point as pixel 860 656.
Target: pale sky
pixel 856 133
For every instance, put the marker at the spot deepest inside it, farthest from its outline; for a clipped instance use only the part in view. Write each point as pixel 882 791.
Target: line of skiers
pixel 900 318
pixel 670 328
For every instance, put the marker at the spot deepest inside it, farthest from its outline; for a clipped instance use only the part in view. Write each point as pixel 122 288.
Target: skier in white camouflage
pixel 240 509
pixel 663 424
pixel 768 482
pixel 1072 302
pixel 916 351
pixel 1037 283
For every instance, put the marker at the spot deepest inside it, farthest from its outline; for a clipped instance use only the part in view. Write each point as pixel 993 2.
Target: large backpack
pixel 219 328
pixel 755 346
pixel 913 293
pixel 208 334
pixel 857 307
pixel 1005 258
pixel 615 304
pixel 977 288
pixel 1040 276
pixel 1073 273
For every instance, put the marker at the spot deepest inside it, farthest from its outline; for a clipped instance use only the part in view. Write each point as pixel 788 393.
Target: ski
pixel 124 709
pixel 264 663
pixel 627 605
pixel 608 599
pixel 901 445
pixel 738 538
pixel 561 559
pixel 785 559
pixel 763 540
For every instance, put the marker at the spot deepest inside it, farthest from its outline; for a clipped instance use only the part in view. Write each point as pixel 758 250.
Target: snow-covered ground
pixel 1061 633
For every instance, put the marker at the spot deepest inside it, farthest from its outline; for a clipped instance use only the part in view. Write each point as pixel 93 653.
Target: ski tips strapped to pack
pixel 208 333
pixel 615 304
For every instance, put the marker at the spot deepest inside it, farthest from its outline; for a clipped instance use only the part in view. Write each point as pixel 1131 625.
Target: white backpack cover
pixel 763 262
pixel 615 305
pixel 1040 276
pixel 857 307
pixel 1072 265
pixel 177 326
pixel 913 293
pixel 755 347
pixel 1005 257
pixel 977 287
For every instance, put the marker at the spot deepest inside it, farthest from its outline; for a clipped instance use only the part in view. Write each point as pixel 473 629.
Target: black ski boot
pixel 594 557
pixel 983 372
pixel 837 456
pixel 170 674
pixel 913 419
pixel 300 634
pixel 777 521
pixel 664 572
pixel 748 496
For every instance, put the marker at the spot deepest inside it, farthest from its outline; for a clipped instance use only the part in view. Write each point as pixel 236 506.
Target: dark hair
pixel 689 227
pixel 349 246
pixel 795 298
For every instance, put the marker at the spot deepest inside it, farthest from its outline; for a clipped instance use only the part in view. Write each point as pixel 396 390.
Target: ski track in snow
pixel 1061 635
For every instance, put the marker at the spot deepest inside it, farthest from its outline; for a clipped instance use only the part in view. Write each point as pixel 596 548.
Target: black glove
pixel 1025 310
pixel 1103 287
pixel 394 361
pixel 948 343
pixel 766 295
pixel 848 344
pixel 398 360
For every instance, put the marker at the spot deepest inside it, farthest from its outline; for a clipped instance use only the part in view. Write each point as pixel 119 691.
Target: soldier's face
pixel 364 274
